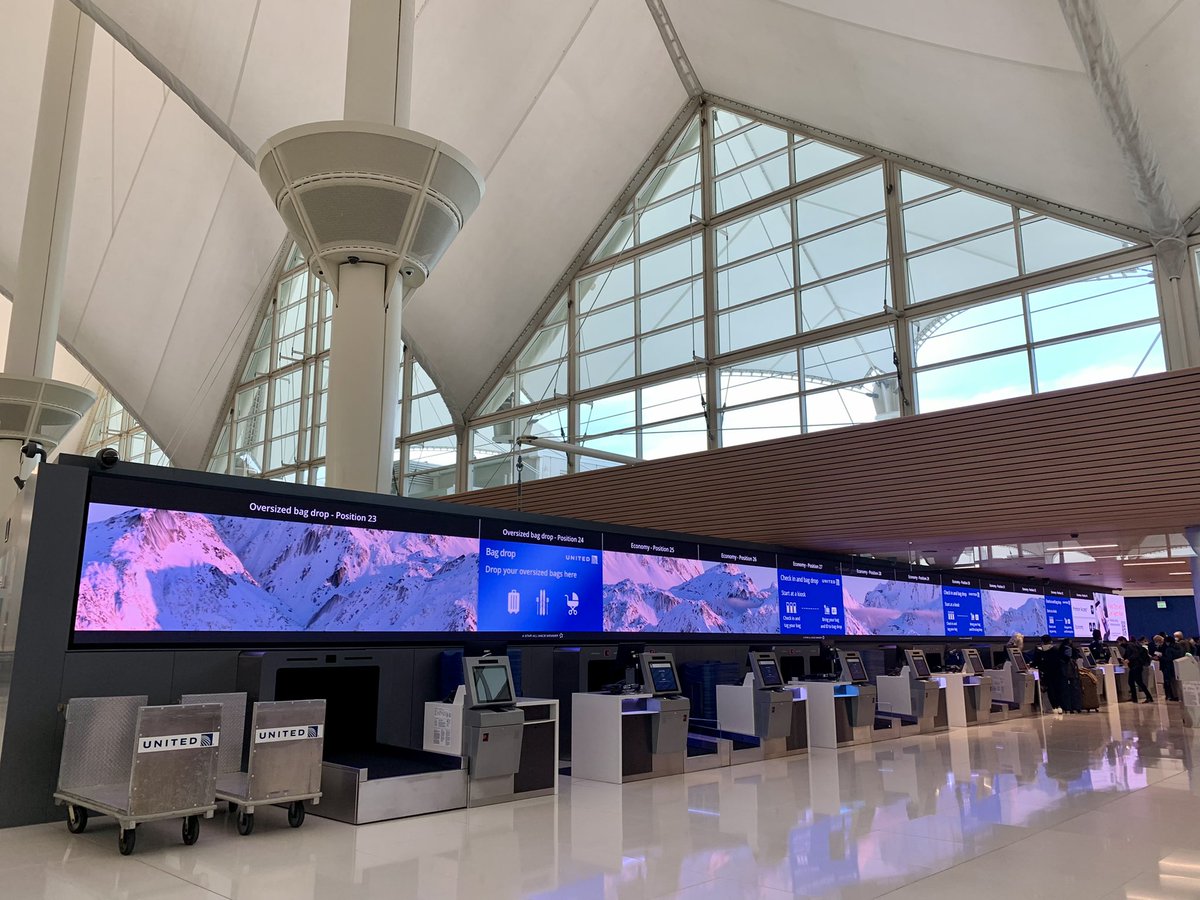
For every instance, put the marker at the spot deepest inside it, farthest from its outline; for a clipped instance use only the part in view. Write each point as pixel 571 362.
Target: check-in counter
pixel 840 714
pixel 763 711
pixel 622 737
pixel 968 698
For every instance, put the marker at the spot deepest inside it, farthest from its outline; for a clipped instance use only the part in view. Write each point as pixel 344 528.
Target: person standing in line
pixel 1100 651
pixel 1137 658
pixel 1071 689
pixel 1045 660
pixel 1171 651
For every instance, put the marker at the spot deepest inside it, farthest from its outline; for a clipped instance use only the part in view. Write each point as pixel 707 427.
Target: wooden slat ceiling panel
pixel 1120 456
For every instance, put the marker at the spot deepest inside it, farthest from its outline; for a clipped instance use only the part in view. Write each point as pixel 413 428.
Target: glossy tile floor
pixel 1093 806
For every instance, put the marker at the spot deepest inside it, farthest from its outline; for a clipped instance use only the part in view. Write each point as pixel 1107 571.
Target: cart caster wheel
pixel 126 839
pixel 77 819
pixel 245 822
pixel 191 830
pixel 296 814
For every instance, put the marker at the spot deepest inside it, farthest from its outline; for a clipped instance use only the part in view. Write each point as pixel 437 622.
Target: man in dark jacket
pixel 1169 651
pixel 1137 658
pixel 1100 651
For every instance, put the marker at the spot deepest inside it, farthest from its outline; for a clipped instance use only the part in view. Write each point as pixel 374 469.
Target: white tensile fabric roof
pixel 558 102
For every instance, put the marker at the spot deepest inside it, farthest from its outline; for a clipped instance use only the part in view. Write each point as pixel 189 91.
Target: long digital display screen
pixel 190 563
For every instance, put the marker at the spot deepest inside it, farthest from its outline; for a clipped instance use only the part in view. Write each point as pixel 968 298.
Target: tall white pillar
pixel 367 352
pixel 319 176
pixel 38 408
pixel 364 379
pixel 33 331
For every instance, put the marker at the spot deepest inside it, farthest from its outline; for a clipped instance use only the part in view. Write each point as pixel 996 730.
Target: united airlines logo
pixel 159 743
pixel 290 733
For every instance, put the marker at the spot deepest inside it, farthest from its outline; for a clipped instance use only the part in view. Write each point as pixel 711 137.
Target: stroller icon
pixel 573 605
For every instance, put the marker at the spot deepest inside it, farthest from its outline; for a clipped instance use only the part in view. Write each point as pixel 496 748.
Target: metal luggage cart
pixel 283 767
pixel 138 764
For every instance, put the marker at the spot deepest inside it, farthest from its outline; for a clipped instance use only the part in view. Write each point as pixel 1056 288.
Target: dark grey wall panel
pixel 203 672
pixel 118 673
pixel 33 727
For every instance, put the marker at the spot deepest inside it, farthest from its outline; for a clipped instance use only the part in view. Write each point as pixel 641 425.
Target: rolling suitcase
pixel 1089 686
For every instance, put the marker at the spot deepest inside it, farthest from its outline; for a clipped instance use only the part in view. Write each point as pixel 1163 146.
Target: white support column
pixel 1192 534
pixel 367 353
pixel 379 61
pixel 364 379
pixel 33 332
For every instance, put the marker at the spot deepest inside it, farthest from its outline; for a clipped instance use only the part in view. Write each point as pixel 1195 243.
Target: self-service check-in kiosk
pixel 842 713
pixel 915 694
pixel 1013 686
pixel 493 729
pixel 629 737
pixel 1187 673
pixel 969 692
pixel 762 706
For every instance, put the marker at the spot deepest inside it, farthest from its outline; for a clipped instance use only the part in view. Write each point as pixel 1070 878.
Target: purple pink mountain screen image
pixel 150 569
pixel 687 596
pixel 876 606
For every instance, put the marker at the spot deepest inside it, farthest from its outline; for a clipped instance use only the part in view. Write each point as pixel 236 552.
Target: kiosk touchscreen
pixel 1017 658
pixel 488 683
pixel 853 669
pixel 1089 661
pixel 972 662
pixel 766 671
pixel 918 663
pixel 658 674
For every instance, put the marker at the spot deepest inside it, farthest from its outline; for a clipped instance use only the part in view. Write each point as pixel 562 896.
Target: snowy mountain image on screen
pixel 669 595
pixel 156 570
pixel 1005 613
pixel 891 607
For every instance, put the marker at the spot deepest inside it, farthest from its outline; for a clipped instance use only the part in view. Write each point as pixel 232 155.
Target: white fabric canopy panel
pixel 995 91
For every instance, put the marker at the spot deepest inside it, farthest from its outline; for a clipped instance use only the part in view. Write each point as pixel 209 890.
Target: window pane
pixel 674 438
pixel 606 366
pixel 840 203
pixel 846 299
pixel 666 217
pixel 814 158
pixel 754 234
pixel 605 288
pixel 675 347
pixel 547 344
pixel 543 382
pixel 675 304
pixel 606 327
pixel 914 187
pixel 624 444
pixel 429 469
pixel 849 359
pixel 672 399
pixel 1105 357
pixel 421 382
pixel 950 217
pixel 983 260
pixel 843 251
pixel 673 264
pixel 502 397
pixel 1046 243
pixel 758 278
pixel 749 184
pixel 746 146
pixel 759 379
pixel 855 405
pixel 981 381
pixel 967 332
pixel 1100 301
pixel 757 324
pixel 670 179
pixel 285 418
pixel 764 422
pixel 428 412
pixel 608 414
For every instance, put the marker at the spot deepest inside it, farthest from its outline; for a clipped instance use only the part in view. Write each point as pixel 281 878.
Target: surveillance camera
pixel 409 271
pixel 1074 534
pixel 108 457
pixel 353 260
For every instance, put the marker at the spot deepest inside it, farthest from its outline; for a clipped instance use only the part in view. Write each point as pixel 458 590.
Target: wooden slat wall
pixel 1123 456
